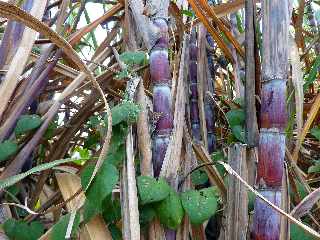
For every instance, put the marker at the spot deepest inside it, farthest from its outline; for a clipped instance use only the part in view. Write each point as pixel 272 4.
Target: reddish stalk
pixel 273 118
pixel 162 99
pixel 162 106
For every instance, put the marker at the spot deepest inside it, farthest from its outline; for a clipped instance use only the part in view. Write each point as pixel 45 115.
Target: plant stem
pixel 273 118
pixel 194 107
pixel 162 106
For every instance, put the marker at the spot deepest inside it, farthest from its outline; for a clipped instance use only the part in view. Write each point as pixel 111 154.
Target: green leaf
pixel 297 233
pixel 92 140
pixel 13 190
pixel 112 210
pixel 16 178
pixel 314 168
pixel 187 13
pixel 103 183
pixel 115 232
pixel 315 132
pixel 126 111
pixel 27 123
pixel 119 134
pixel 150 190
pixel 239 101
pixel 199 205
pixel 83 153
pixel 132 58
pixel 170 211
pixel 94 121
pixel 60 228
pixel 239 23
pixel 116 158
pixel 199 177
pixel 18 230
pixel 238 132
pixel 217 156
pixel 50 130
pixel 122 74
pixel 90 210
pixel 301 190
pixel 7 149
pixel 146 214
pixel 251 200
pixel 235 117
pixel 312 74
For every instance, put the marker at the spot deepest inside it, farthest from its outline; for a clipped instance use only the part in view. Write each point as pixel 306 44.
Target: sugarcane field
pixel 160 119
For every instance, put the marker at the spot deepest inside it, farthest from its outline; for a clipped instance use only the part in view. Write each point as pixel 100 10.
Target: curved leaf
pixel 199 205
pixel 170 211
pixel 150 190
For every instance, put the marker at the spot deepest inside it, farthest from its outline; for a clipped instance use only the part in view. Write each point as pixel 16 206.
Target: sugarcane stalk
pixel 193 82
pixel 273 119
pixel 162 106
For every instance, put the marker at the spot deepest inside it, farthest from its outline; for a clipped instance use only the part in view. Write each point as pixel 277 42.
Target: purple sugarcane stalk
pixel 162 100
pixel 162 105
pixel 193 81
pixel 273 119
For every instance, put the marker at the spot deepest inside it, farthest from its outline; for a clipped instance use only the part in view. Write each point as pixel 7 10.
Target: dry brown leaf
pixel 211 30
pixel 297 79
pixel 312 114
pixel 76 37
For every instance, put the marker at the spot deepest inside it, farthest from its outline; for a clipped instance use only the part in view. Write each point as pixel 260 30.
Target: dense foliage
pixel 151 119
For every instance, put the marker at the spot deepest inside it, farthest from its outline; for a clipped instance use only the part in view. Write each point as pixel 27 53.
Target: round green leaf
pixel 146 214
pixel 7 149
pixel 199 205
pixel 150 190
pixel 238 132
pixel 112 210
pixel 103 183
pixel 18 230
pixel 126 111
pixel 170 211
pixel 199 177
pixel 60 228
pixel 27 123
pixel 235 117
pixel 132 58
pixel 90 210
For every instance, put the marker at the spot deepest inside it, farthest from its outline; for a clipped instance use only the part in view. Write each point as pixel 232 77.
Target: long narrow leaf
pixel 16 178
